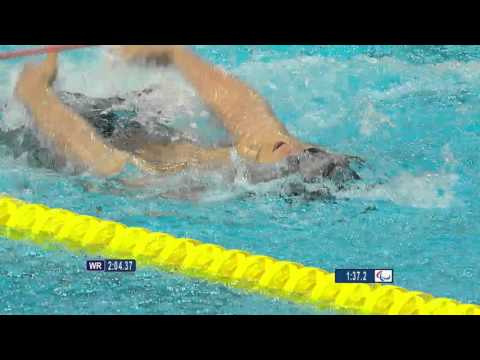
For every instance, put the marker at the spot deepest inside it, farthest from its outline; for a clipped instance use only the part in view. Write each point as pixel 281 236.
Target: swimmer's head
pixel 315 164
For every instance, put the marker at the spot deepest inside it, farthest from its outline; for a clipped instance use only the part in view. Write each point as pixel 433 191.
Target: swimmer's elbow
pixel 110 168
pixel 107 172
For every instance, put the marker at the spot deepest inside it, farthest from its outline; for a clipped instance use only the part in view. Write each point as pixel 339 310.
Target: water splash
pixel 426 191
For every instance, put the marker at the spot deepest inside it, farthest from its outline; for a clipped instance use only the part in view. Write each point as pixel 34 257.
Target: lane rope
pixel 40 51
pixel 47 227
pixel 292 281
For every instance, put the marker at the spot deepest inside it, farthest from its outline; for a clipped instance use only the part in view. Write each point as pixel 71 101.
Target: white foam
pixel 315 90
pixel 448 155
pixel 173 101
pixel 318 93
pixel 371 120
pixel 425 191
pixel 172 95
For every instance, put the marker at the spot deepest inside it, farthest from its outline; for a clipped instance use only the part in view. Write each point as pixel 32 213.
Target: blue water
pixel 411 111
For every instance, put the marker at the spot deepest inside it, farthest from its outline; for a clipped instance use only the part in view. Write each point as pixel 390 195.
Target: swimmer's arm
pixel 244 113
pixel 176 157
pixel 70 133
pixel 74 137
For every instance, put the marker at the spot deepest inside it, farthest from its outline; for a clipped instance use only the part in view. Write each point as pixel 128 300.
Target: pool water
pixel 413 112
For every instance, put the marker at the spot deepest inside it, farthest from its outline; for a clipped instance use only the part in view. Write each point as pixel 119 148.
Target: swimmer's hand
pixel 35 79
pixel 160 54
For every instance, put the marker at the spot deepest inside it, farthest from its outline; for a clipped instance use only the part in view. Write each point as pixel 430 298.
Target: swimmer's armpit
pixel 71 135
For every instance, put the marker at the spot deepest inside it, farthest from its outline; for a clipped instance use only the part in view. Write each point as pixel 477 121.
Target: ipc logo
pixel 384 276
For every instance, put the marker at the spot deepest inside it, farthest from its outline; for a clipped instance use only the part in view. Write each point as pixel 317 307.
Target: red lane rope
pixel 40 51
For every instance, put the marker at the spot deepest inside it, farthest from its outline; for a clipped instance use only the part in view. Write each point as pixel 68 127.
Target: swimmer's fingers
pixel 161 54
pixel 137 52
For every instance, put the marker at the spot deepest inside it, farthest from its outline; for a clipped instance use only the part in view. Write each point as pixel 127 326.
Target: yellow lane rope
pixel 284 279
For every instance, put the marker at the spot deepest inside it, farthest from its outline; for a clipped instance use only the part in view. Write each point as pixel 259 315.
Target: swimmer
pixel 79 133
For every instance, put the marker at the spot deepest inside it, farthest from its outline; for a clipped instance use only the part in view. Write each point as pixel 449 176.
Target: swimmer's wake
pixel 89 133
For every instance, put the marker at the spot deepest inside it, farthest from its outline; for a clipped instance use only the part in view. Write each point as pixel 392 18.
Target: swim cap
pixel 315 163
